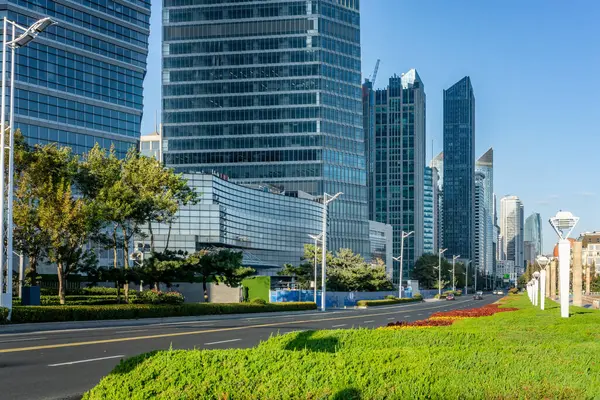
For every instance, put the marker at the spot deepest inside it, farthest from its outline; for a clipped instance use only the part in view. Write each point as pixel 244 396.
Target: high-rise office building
pixel 80 81
pixel 485 166
pixel 270 92
pixel 511 228
pixel 429 211
pixel 533 232
pixel 368 99
pixel 459 169
pixel 399 163
pixel 480 224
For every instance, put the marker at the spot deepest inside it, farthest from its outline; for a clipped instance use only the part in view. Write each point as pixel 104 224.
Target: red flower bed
pixel 448 317
pixel 423 322
pixel 484 311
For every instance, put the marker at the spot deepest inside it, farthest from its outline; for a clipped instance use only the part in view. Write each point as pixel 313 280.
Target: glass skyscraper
pixel 485 166
pixel 80 81
pixel 429 212
pixel 533 232
pixel 398 170
pixel 270 92
pixel 459 169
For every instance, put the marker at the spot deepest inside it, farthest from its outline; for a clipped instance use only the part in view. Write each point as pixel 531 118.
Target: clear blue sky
pixel 535 69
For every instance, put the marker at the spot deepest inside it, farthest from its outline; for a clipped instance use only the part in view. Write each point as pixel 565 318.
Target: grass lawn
pixel 522 354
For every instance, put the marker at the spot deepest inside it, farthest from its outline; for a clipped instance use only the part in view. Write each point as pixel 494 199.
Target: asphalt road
pixel 63 364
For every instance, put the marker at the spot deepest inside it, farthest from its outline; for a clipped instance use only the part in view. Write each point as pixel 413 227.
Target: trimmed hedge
pixel 23 314
pixel 386 302
pixel 87 291
pixel 3 315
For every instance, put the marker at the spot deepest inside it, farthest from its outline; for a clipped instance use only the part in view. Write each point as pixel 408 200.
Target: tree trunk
pixel 156 286
pixel 62 283
pixel 168 236
pixel 33 269
pixel 125 262
pixel 115 264
pixel 151 236
pixel 204 287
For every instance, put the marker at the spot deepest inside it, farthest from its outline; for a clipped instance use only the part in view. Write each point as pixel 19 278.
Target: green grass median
pixel 527 354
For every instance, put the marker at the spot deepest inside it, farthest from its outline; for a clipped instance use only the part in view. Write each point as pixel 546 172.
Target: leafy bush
pixel 513 291
pixel 258 301
pixel 158 297
pixel 390 297
pixel 81 300
pixel 86 291
pixel 373 303
pixel 3 315
pixel 23 314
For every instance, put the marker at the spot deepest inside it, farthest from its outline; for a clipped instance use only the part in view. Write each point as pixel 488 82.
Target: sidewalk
pixel 115 323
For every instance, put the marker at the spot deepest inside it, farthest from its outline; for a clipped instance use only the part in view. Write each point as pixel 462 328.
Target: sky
pixel 535 70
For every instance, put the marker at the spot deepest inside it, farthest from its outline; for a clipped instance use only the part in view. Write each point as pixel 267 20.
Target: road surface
pixel 64 364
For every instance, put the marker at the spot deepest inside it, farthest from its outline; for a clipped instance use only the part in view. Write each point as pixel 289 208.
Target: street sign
pixel 506 276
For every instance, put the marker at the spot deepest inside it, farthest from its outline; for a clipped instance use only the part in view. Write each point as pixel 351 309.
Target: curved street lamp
pixel 536 280
pixel 6 256
pixel 401 260
pixel 326 202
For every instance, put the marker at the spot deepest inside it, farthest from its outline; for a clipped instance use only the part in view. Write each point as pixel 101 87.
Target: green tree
pixel 218 266
pixel 426 272
pixel 349 272
pixel 69 222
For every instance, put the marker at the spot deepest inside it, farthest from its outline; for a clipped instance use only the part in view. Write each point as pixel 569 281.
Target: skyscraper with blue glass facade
pixel 270 92
pixel 397 174
pixel 80 82
pixel 459 169
pixel 430 211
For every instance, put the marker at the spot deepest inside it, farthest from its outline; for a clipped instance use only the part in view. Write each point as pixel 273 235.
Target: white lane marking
pixel 222 341
pixel 407 316
pixel 337 326
pixel 391 318
pixel 368 322
pixel 184 323
pixel 86 361
pixel 22 340
pixel 419 314
pixel 133 331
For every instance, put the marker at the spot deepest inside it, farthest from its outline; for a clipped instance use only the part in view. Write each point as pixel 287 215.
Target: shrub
pixel 513 291
pixel 86 291
pixel 3 315
pixel 23 314
pixel 81 300
pixel 157 297
pixel 390 297
pixel 374 303
pixel 258 301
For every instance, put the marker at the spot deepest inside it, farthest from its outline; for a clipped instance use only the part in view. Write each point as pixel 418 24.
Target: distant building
pixel 591 249
pixel 429 211
pixel 399 163
pixel 480 224
pixel 381 239
pixel 438 164
pixel 529 253
pixel 533 232
pixel 459 169
pixel 151 145
pixel 485 166
pixel 511 227
pixel 508 272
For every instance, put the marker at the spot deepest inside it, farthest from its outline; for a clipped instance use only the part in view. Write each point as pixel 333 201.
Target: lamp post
pixel 536 286
pixel 401 260
pixel 6 256
pixel 440 252
pixel 542 262
pixel 324 242
pixel 316 238
pixel 467 276
pixel 453 272
pixel 563 224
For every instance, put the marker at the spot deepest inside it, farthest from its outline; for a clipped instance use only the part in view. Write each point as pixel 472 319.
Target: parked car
pixel 500 292
pixel 478 296
pixel 450 297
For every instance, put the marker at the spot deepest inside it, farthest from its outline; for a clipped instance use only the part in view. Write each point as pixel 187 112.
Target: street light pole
pixel 467 276
pixel 316 238
pixel 324 247
pixel 564 221
pixel 440 252
pixel 453 272
pixel 401 260
pixel 6 228
pixel 542 262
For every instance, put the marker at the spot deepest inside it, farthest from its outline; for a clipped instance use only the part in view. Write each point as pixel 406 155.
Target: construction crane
pixel 374 74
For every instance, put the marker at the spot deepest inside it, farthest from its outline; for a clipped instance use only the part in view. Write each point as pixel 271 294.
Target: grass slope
pixel 523 354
